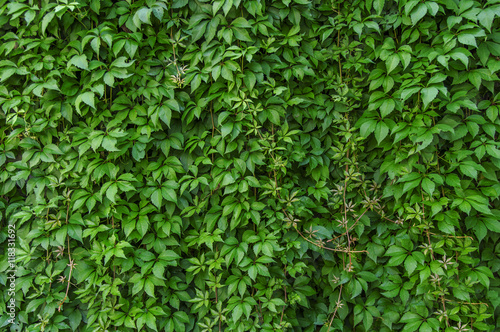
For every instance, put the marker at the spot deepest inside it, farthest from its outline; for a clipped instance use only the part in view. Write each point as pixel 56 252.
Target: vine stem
pixel 340 63
pixel 453 236
pixel 327 248
pixel 215 286
pixel 212 117
pixel 350 228
pixel 336 308
pixel 67 287
pixel 71 261
pixel 173 45
pixel 432 253
pixel 469 303
pixel 261 319
pixel 283 309
pixel 345 211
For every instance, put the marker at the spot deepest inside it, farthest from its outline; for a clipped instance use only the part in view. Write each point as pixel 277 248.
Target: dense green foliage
pixel 250 165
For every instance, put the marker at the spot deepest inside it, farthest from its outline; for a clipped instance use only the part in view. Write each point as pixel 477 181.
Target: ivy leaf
pixel 240 22
pixel 169 194
pixel 453 180
pixel 144 14
pixel 80 61
pixel 149 288
pixel 52 149
pixel 108 143
pixel 111 192
pixel 226 128
pixel 46 20
pixel 392 62
pixel 250 80
pixel 467 39
pixel 378 5
pixel 121 63
pixel 165 114
pixel 241 34
pixel 418 13
pixel 157 198
pixel 158 12
pixel 479 203
pixel 367 127
pixel 428 186
pixel 405 59
pixel 199 30
pixel 407 93
pixel 142 225
pixel 195 83
pixel 173 104
pixel 227 6
pixel 109 79
pixel 29 16
pixel 95 5
pixel 428 95
pixel 32 305
pixel 179 3
pixel 410 264
pixel 461 54
pixel 492 224
pixel 493 151
pixel 387 107
pixel 469 169
pixel 237 312
pixel 88 98
pixel 381 131
pixel 432 7
pixel 75 232
pixel 74 318
pixel 7 73
pixel 486 16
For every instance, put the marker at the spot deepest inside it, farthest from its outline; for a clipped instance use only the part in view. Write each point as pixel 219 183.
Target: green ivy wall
pixel 250 165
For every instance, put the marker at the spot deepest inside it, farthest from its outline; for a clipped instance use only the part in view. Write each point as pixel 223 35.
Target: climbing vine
pixel 249 165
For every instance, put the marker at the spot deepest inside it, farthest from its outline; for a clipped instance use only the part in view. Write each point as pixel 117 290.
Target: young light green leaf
pixel 144 14
pixel 418 13
pixel 80 61
pixel 46 20
pixel 428 95
pixel 467 39
pixel 387 107
pixel 392 62
pixel 111 192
